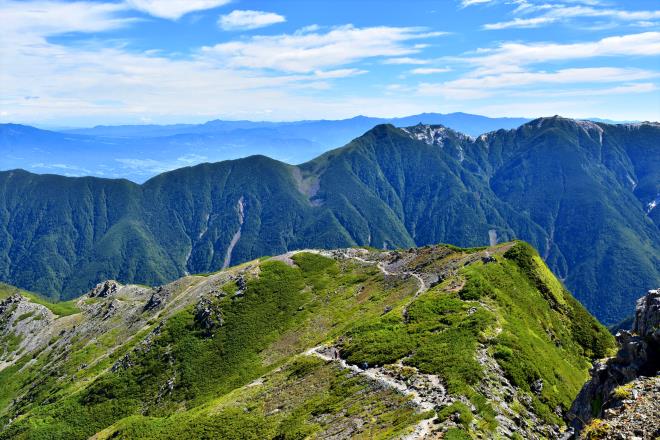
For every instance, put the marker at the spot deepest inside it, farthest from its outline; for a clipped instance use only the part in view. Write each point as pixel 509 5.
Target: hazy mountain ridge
pixel 563 185
pixel 342 344
pixel 138 152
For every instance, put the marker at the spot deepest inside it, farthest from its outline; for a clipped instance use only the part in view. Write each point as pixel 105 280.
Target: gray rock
pixel 647 316
pixel 208 316
pixel 104 289
pixel 638 356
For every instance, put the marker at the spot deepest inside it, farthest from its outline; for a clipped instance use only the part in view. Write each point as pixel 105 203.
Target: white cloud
pixel 451 93
pixel 509 55
pixel 62 166
pixel 645 23
pixel 47 18
pixel 339 73
pixel 520 23
pixel 590 92
pixel 75 82
pixel 304 52
pixel 429 70
pixel 466 3
pixel 558 12
pixel 405 60
pixel 173 9
pixel 281 76
pixel 246 20
pixel 508 83
pixel 564 76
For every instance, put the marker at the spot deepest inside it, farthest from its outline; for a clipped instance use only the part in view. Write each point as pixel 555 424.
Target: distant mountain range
pixel 582 193
pixel 138 152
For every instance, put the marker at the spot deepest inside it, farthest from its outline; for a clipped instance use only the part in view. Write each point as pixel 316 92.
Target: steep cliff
pixel 622 398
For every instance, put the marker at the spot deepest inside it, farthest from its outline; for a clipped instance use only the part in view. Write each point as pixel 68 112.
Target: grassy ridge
pixel 188 382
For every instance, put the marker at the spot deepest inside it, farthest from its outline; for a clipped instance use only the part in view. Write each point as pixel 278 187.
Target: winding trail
pixel 426 394
pixel 422 284
pixel 427 400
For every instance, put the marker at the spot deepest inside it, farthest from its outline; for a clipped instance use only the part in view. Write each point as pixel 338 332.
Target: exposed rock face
pixel 617 384
pixel 105 289
pixel 647 316
pixel 635 415
pixel 24 326
pixel 158 299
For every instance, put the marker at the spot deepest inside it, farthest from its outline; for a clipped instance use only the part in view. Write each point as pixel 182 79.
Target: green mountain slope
pixel 580 192
pixel 352 343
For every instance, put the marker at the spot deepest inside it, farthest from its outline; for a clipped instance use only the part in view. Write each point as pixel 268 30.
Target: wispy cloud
pixel 466 3
pixel 339 73
pixel 47 18
pixel 72 170
pixel 173 9
pixel 507 55
pixel 515 80
pixel 405 60
pixel 309 51
pixel 512 69
pixel 246 20
pixel 627 89
pixel 429 70
pixel 76 80
pixel 519 23
pixel 557 12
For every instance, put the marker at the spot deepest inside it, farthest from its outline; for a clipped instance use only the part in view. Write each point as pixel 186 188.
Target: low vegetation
pixel 247 377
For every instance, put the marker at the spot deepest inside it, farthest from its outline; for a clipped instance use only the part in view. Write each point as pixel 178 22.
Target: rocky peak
pixel 433 134
pixel 104 289
pixel 452 142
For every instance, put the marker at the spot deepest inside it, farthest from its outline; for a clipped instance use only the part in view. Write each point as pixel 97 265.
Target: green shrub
pixel 623 392
pixel 24 316
pixel 475 288
pixel 596 430
pixel 465 416
pixel 456 434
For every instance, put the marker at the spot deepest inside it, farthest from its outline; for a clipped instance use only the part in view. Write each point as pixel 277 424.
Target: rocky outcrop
pixel 647 316
pixel 617 394
pixel 157 299
pixel 24 326
pixel 208 316
pixel 635 415
pixel 104 289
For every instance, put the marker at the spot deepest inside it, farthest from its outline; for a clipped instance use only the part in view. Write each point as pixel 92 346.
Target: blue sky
pixel 163 61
